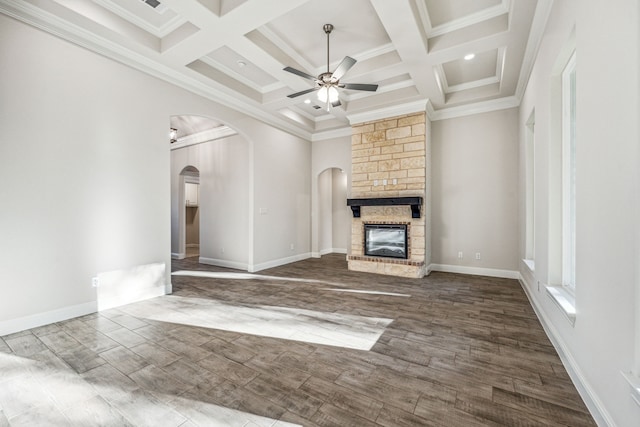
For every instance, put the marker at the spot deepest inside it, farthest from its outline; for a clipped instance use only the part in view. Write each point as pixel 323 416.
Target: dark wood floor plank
pixel 502 415
pixel 461 351
pixel 542 409
pixel 440 413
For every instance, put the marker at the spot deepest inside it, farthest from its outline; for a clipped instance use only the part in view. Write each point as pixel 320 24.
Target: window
pixel 562 166
pixel 569 174
pixel 530 225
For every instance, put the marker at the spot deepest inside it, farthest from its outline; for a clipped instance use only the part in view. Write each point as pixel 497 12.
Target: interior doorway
pixel 334 226
pixel 190 189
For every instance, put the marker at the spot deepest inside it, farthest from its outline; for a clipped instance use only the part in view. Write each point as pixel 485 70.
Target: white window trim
pixel 568 192
pixel 530 247
pixel 565 300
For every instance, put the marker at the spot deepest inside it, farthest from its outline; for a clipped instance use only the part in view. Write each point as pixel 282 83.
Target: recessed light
pixel 307 101
pixel 241 64
pixel 469 56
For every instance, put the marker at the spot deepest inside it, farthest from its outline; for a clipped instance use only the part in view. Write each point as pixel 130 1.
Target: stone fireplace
pixel 388 190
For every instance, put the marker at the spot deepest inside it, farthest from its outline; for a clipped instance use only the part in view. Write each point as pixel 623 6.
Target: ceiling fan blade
pixel 302 92
pixel 300 73
pixel 344 66
pixel 360 86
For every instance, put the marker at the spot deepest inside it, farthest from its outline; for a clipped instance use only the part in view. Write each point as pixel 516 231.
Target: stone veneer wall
pixel 389 160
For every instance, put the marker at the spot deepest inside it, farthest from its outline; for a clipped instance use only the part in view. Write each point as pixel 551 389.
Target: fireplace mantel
pixel 414 202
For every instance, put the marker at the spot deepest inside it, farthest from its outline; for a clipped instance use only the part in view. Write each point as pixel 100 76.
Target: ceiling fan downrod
pixel 327 29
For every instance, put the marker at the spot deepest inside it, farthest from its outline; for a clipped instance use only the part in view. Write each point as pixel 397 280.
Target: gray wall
pixel 474 191
pixel 89 177
pixel 605 340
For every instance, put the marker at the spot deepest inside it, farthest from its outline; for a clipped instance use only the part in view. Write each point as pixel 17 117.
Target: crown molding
pixel 330 134
pixel 466 21
pixel 171 25
pixel 543 11
pixel 204 136
pixel 477 108
pixel 386 112
pixel 77 35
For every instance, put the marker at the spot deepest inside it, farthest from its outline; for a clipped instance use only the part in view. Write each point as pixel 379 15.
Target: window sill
pixel 564 300
pixel 634 382
pixel 531 264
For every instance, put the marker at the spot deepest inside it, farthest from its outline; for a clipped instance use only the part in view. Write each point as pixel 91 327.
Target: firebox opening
pixel 386 240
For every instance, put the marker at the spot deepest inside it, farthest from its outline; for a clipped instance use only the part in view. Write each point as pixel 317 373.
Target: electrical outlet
pixel 95 282
pixel 460 255
pixel 477 255
pixel 292 247
pixel 221 250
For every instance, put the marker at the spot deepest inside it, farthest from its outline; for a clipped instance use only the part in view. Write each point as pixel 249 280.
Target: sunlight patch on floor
pixel 334 329
pixel 359 291
pixel 47 392
pixel 248 276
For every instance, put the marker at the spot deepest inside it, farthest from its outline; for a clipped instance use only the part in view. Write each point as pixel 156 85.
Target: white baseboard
pixel 333 251
pixel 278 262
pixel 22 323
pixel 591 400
pixel 224 263
pixel 476 271
pixel 176 255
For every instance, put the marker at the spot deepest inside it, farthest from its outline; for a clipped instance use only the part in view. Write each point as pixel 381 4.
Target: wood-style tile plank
pixel 453 350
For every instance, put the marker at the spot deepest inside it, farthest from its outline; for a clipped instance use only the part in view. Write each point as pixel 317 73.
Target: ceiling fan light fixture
pixel 329 93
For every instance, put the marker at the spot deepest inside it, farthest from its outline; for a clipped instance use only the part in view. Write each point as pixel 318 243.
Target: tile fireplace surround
pixel 388 160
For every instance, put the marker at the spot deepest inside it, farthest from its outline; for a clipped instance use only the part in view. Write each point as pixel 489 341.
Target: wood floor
pixel 446 350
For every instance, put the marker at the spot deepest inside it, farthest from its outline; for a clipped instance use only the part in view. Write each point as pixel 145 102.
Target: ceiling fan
pixel 327 83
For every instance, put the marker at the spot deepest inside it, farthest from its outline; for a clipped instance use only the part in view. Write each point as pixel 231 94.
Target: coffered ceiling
pixel 234 51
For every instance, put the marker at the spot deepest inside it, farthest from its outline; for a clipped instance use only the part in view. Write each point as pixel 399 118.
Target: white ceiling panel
pixel 412 49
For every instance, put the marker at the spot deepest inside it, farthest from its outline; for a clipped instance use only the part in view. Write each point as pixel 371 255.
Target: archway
pixel 212 222
pixel 334 221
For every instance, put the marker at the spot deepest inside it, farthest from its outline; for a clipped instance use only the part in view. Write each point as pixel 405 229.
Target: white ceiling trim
pixel 407 40
pixel 386 112
pixel 159 32
pixel 233 74
pixel 287 49
pixel 497 78
pixel 204 136
pixel 477 108
pixel 79 36
pixel 330 134
pixel 372 53
pixel 472 85
pixel 464 22
pixel 543 10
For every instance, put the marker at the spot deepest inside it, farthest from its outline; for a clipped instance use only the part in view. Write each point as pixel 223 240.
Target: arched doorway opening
pixel 334 221
pixel 210 192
